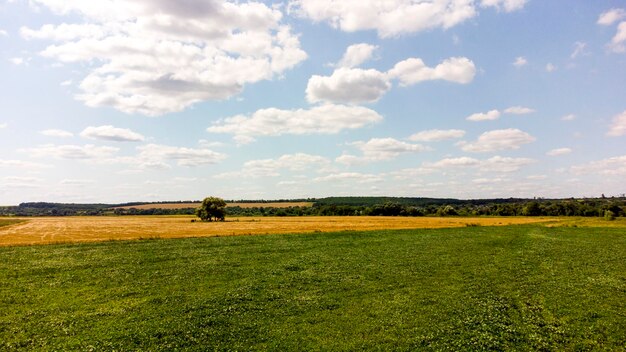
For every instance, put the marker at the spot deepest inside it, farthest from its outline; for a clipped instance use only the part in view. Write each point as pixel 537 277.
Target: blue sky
pixel 137 100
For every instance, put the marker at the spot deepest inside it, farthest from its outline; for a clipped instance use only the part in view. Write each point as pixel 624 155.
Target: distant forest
pixel 609 207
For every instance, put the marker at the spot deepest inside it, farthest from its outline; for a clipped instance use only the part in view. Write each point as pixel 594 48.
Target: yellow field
pixel 83 229
pixel 242 205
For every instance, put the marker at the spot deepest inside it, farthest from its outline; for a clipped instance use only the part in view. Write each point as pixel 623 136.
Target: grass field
pixel 526 288
pixel 242 205
pixel 42 230
pixel 7 222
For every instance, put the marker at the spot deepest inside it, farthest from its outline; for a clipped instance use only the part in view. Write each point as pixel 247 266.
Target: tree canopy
pixel 212 208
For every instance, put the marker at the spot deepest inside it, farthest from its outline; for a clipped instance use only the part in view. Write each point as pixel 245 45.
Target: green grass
pixel 7 222
pixel 476 288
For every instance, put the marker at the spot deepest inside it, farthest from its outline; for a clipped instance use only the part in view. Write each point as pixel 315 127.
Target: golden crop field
pixel 43 230
pixel 242 205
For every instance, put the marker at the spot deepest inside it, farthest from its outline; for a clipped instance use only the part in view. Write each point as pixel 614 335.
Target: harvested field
pixel 85 229
pixel 242 205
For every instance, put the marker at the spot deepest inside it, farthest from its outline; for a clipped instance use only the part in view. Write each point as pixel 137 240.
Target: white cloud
pixel 16 61
pixel 110 133
pixel 325 119
pixel 484 116
pixel 550 67
pixel 156 57
pixel 496 164
pixel 56 133
pixel 156 156
pixel 520 61
pixel 354 85
pixel 348 86
pixel 615 166
pixel 3 125
pixel 272 167
pixel 504 164
pixel 21 164
pixel 519 110
pixel 74 152
pixel 618 127
pixel 66 83
pixel 496 140
pixel 559 151
pixel 76 182
pixel 446 163
pixel 385 148
pixel 617 42
pixel 569 117
pixel 436 135
pixel 349 177
pixel 357 54
pixel 507 5
pixel 392 17
pixel 580 49
pixel 611 16
pixel 455 69
pixel 3 33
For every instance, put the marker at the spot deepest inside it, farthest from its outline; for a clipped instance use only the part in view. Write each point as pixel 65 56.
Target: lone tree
pixel 212 208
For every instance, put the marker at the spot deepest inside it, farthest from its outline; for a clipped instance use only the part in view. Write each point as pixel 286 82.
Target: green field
pixel 7 222
pixel 476 288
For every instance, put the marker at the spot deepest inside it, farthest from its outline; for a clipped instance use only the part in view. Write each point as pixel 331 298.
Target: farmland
pixel 522 287
pixel 42 230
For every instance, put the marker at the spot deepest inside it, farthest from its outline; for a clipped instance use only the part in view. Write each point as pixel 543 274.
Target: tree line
pixel 362 206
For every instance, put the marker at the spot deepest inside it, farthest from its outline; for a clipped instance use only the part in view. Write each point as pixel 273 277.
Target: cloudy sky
pixel 146 100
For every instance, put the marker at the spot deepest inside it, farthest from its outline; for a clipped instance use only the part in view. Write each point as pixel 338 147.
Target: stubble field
pixel 45 230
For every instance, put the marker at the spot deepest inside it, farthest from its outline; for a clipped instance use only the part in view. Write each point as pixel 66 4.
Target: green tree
pixel 212 208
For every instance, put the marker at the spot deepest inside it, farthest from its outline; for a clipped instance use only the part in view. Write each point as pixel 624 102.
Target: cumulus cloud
pixel 325 119
pixel 569 117
pixel 72 152
pixel 455 69
pixel 504 164
pixel 484 116
pixel 519 110
pixel 353 85
pixel 56 133
pixel 617 42
pixel 3 33
pixel 506 5
pixel 436 135
pixel 156 156
pixel 12 164
pixel 385 148
pixel 610 166
pixel 520 61
pixel 618 127
pixel 496 164
pixel 272 167
pixel 348 86
pixel 357 54
pixel 394 17
pixel 377 149
pixel 349 177
pixel 156 57
pixel 496 140
pixel 461 162
pixel 17 61
pixel 110 133
pixel 550 67
pixel 611 16
pixel 559 151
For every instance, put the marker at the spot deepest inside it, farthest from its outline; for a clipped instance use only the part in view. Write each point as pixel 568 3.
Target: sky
pixel 153 100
